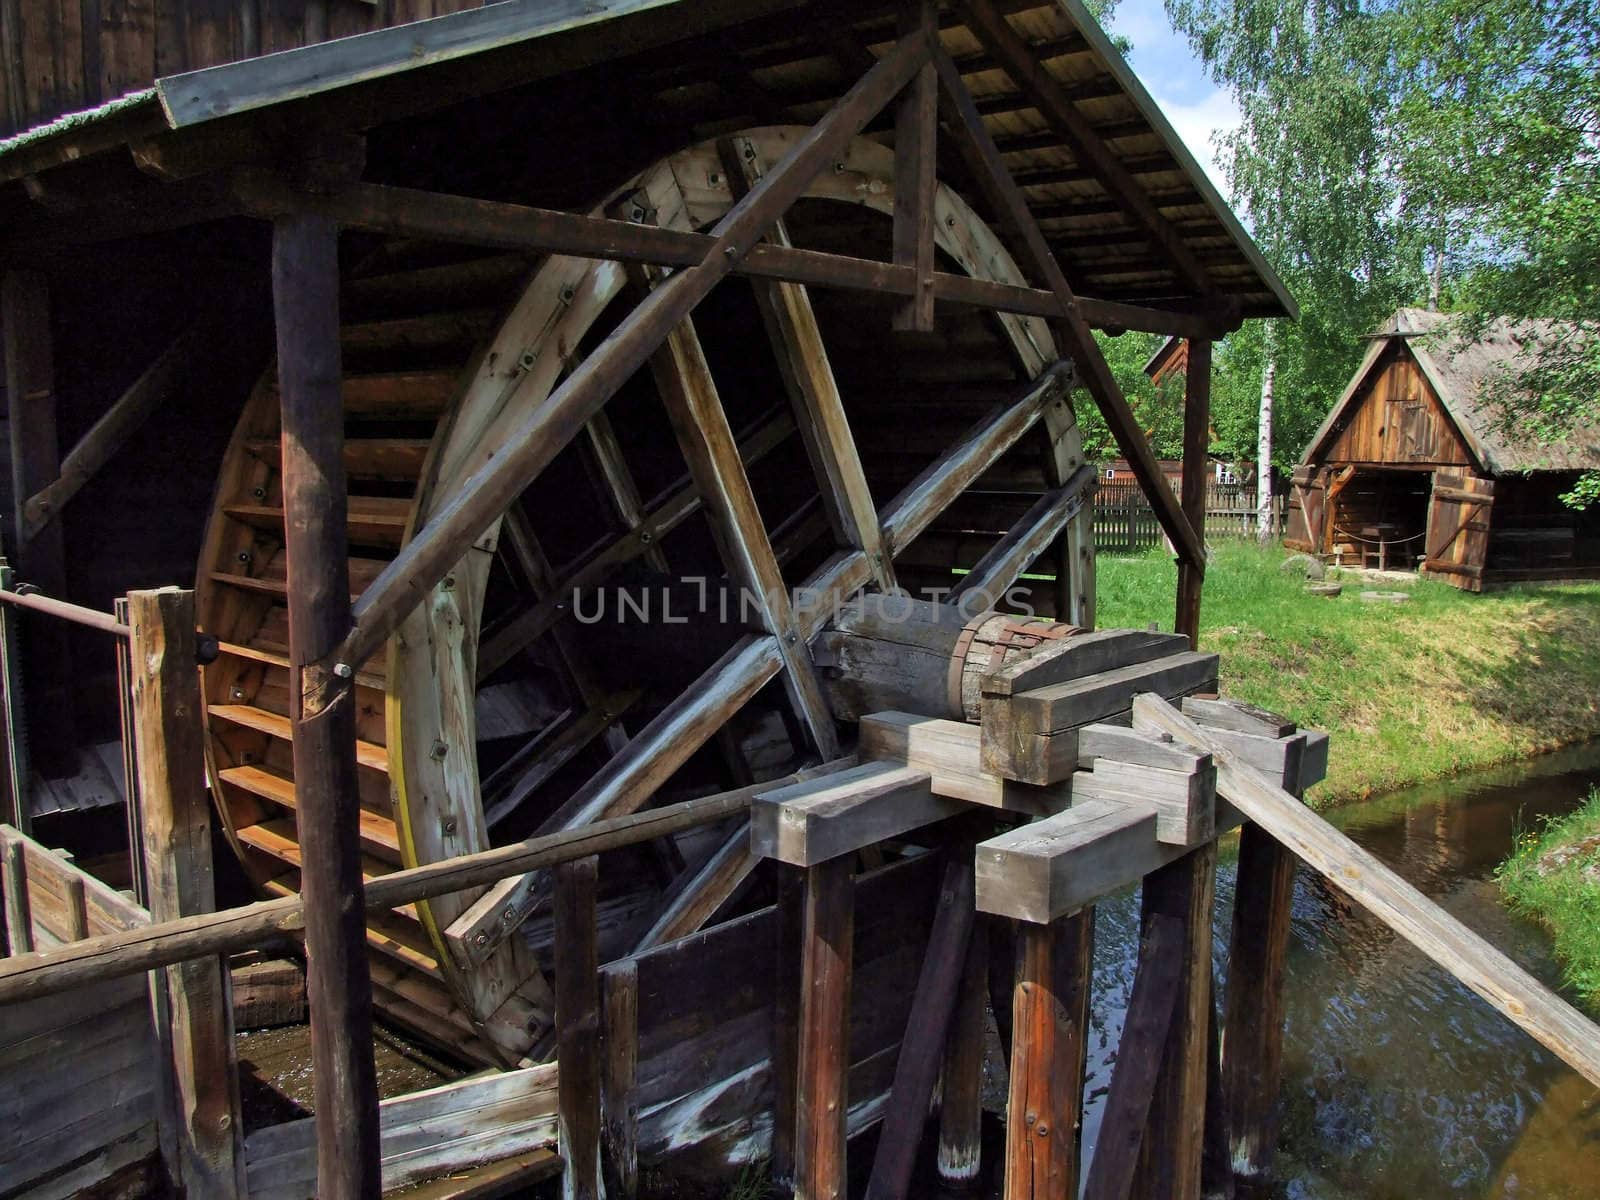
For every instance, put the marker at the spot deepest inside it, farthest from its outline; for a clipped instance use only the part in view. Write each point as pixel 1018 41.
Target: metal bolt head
pixel 646 537
pixel 344 670
pixel 449 826
pixel 792 637
pixel 481 939
pixel 438 750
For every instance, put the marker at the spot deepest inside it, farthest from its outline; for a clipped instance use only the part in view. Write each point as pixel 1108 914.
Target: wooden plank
pixel 1043 871
pixel 1072 331
pixel 922 1046
pixel 440 544
pixel 960 1155
pixel 949 752
pixel 577 985
pixel 1151 1009
pixel 1127 746
pixel 1184 800
pixel 1085 654
pixel 822 1100
pixel 809 823
pixel 916 167
pixel 19 913
pixel 1365 879
pixel 711 886
pixel 406 212
pixel 619 1107
pixel 1083 701
pixel 305 276
pixel 176 834
pixel 1050 1031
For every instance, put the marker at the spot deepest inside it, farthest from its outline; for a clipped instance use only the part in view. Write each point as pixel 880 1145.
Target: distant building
pixel 1416 467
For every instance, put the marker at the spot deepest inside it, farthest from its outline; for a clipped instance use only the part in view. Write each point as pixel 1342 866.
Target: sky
pixel 1162 59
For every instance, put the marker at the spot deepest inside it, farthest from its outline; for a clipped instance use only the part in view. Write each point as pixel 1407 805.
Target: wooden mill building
pixel 1420 464
pixel 542 411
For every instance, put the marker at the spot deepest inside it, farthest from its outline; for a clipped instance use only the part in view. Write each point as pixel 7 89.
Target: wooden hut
pixel 1421 466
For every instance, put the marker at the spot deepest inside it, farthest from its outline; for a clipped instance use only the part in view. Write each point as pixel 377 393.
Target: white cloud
pixel 1197 122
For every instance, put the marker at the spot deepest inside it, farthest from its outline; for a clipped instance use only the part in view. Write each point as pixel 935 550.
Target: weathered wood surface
pixel 267 992
pixel 809 823
pixel 1357 873
pixel 1139 1058
pixel 1046 870
pixel 823 1093
pixel 959 1160
pixel 1196 440
pixel 1049 1042
pixel 619 1091
pixel 993 576
pixel 1184 800
pixel 175 815
pixel 1086 654
pixel 949 752
pixel 305 286
pixel 938 991
pixel 577 987
pixel 423 1135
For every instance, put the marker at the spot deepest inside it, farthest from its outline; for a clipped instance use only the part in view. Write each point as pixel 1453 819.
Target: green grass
pixel 1409 692
pixel 1563 897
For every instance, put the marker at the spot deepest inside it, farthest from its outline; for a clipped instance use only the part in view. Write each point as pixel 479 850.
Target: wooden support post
pixel 305 284
pixel 960 1160
pixel 14 810
pixel 939 985
pixel 130 761
pixel 619 1098
pixel 1139 1057
pixel 35 461
pixel 1196 441
pixel 577 984
pixel 822 1097
pixel 76 907
pixel 207 1126
pixel 791 908
pixel 1049 1041
pixel 916 129
pixel 19 913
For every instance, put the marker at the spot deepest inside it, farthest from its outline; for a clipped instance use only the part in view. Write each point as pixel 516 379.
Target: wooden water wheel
pixel 495 701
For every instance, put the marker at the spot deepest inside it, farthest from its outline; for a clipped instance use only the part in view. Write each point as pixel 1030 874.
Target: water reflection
pixel 1400 1084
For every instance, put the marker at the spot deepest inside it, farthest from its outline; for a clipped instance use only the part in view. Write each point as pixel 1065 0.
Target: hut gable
pixel 1426 394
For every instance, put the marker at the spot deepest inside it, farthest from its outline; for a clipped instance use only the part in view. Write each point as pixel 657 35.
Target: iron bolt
pixel 343 670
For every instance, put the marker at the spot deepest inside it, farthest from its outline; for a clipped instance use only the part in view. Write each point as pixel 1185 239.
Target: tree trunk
pixel 1265 529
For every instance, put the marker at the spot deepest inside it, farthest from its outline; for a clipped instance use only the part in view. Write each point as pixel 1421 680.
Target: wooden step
pixel 371 675
pixel 274 581
pixel 393 460
pixel 396 395
pixel 273 725
pixel 370 520
pixel 434 331
pixel 378 833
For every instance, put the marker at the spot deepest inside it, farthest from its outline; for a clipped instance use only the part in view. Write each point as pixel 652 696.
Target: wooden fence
pixel 1125 523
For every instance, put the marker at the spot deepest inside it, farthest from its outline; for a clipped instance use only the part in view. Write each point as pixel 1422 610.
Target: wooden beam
pixel 939 985
pixel 433 216
pixel 960 1156
pixel 109 434
pixel 1360 875
pixel 916 163
pixel 809 823
pixel 1196 442
pixel 14 776
pixel 529 449
pixel 205 1117
pixel 577 986
pixel 813 391
pixel 823 1101
pixel 619 1095
pixel 989 25
pixel 305 285
pixel 694 408
pixel 19 912
pixel 788 971
pixel 1049 1043
pixel 619 482
pixel 1151 1009
pixel 1071 328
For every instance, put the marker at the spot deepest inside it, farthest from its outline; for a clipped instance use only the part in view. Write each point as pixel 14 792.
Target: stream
pixel 1399 1083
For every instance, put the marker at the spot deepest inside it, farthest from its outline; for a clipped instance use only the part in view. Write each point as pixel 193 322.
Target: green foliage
pixel 1564 895
pixel 1384 138
pixel 1159 409
pixel 1446 681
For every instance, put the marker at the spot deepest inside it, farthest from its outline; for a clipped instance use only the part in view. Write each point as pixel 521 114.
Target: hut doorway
pixel 1378 517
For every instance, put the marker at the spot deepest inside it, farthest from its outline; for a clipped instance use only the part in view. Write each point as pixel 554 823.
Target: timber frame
pixel 289 142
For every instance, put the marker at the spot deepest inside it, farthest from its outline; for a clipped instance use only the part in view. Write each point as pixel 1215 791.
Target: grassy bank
pixel 1554 877
pixel 1409 692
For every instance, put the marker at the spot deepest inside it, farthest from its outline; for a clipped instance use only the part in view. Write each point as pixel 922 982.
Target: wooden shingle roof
pixel 1128 211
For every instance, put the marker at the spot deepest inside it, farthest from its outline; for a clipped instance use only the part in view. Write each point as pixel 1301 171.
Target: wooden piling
pixel 1049 1028
pixel 205 1127
pixel 922 1046
pixel 577 987
pixel 822 1098
pixel 960 1158
pixel 786 1006
pixel 305 284
pixel 619 1099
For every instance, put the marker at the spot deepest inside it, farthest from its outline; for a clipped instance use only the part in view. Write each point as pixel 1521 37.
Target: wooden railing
pixel 1124 521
